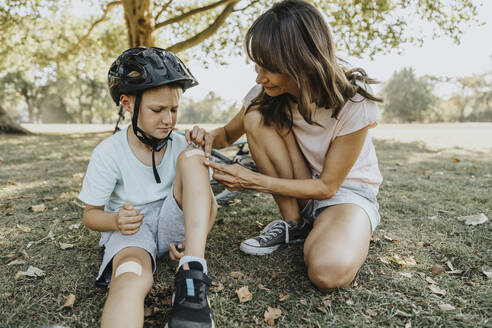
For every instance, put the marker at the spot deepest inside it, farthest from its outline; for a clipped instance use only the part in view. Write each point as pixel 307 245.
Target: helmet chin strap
pixel 154 143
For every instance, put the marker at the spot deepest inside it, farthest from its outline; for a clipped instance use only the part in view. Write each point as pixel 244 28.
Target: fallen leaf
pixel 321 309
pixel 17 262
pixel 244 294
pixel 388 238
pixel 236 275
pixel 216 287
pixel 437 290
pixel 260 286
pixel 74 226
pixel 326 300
pixel 66 246
pixel 350 301
pixel 31 272
pixel 283 297
pixel 272 314
pixel 371 312
pixel 403 314
pixel 436 269
pixel 474 219
pixel 446 307
pixel 24 228
pixel 69 301
pixel 487 272
pixel 37 208
pixel 406 274
pixel 450 265
pixel 234 202
pixel 259 224
pixel 430 280
pixel 405 262
pixel 303 301
pixel 420 244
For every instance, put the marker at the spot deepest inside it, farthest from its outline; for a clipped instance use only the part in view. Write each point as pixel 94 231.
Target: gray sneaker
pixel 275 234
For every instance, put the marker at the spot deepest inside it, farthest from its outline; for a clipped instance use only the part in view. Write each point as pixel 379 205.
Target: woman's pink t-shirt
pixel 314 141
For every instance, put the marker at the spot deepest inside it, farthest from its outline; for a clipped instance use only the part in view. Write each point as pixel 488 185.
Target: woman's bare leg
pixel 124 305
pixel 276 155
pixel 337 246
pixel 193 194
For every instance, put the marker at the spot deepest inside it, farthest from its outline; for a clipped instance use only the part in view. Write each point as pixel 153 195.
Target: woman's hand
pixel 176 252
pixel 201 138
pixel 234 177
pixel 128 220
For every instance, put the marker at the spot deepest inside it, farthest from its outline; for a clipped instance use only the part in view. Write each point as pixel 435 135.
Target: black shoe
pixel 190 299
pixel 276 233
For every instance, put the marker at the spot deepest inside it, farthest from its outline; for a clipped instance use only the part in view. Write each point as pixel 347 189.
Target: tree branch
pixel 247 6
pixel 162 10
pixel 86 35
pixel 191 13
pixel 206 33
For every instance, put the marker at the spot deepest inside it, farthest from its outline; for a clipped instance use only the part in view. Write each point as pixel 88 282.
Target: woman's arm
pixel 340 158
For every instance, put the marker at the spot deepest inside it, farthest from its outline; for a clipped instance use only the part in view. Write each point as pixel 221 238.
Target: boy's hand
pixel 201 138
pixel 176 252
pixel 129 219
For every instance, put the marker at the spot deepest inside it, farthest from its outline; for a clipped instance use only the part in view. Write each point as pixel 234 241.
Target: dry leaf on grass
pixel 371 312
pixel 436 269
pixel 69 302
pixel 283 297
pixel 450 265
pixel 216 287
pixel 446 307
pixel 272 314
pixel 244 294
pixel 74 226
pixel 66 246
pixel 403 314
pixel 234 202
pixel 24 228
pixel 17 262
pixel 260 286
pixel 31 272
pixel 474 219
pixel 430 280
pixel 321 309
pixel 236 275
pixel 437 290
pixel 487 272
pixel 37 208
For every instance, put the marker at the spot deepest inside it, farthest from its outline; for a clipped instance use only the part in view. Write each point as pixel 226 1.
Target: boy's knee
pixel 191 155
pixel 132 268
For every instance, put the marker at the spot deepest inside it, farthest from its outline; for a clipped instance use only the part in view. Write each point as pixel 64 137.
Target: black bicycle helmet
pixel 142 68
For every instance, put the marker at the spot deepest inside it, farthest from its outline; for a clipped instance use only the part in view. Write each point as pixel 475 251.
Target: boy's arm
pixel 127 220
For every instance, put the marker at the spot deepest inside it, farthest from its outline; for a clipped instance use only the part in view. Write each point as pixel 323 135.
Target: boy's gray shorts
pixel 163 223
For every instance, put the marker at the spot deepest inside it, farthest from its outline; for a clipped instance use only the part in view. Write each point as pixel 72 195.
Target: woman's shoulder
pixel 252 94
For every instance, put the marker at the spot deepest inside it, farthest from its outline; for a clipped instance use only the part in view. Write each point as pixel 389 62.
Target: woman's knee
pixel 327 275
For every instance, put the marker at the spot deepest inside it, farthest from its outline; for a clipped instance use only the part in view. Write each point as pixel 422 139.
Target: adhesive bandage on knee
pixel 129 266
pixel 194 152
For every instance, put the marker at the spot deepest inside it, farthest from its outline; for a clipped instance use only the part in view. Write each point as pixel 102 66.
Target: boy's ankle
pixel 194 262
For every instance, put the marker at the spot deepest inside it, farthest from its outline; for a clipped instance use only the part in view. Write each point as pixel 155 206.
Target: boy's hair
pixel 296 32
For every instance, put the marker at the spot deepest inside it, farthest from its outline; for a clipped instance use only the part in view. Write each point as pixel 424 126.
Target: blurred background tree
pixel 56 52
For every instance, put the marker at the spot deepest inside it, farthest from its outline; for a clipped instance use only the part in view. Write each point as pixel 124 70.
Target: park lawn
pixel 424 193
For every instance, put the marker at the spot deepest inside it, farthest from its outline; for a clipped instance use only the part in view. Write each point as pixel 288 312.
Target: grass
pixel 424 192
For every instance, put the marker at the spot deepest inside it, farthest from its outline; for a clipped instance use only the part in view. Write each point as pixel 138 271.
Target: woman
pixel 307 123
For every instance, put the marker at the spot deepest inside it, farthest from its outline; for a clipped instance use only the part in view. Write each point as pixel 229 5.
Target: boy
pixel 145 192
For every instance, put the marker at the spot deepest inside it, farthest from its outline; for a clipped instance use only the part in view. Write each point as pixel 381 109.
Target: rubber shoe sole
pixel 257 250
pixel 213 324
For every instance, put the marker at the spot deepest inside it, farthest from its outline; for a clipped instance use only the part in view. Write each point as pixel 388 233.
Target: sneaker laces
pixel 275 228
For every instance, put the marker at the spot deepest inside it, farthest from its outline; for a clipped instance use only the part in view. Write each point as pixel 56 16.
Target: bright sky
pixel 440 57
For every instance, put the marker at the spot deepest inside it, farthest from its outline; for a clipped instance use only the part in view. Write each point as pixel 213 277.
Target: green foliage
pixel 407 98
pixel 210 109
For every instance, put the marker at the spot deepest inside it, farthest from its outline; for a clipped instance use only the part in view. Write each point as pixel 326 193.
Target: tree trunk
pixel 139 21
pixel 8 125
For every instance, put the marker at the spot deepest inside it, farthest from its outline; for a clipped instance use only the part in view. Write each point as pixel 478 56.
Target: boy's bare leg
pixel 276 155
pixel 193 194
pixel 124 305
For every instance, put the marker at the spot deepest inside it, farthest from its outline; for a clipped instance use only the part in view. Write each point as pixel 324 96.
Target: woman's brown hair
pixel 293 38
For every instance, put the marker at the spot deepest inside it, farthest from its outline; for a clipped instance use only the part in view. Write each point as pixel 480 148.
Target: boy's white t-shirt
pixel 115 175
pixel 314 141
